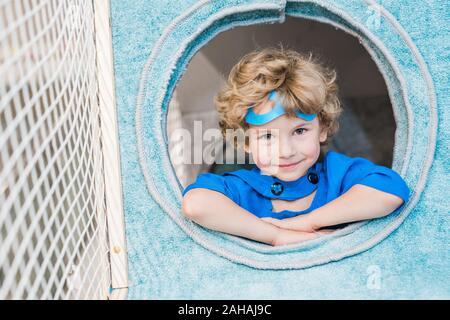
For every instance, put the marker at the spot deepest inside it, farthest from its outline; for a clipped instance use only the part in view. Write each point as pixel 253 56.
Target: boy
pixel 287 105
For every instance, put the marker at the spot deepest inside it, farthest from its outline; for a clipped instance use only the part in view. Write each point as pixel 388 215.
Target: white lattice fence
pixel 53 228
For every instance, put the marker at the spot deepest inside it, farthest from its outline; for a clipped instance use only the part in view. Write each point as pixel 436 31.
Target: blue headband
pixel 278 110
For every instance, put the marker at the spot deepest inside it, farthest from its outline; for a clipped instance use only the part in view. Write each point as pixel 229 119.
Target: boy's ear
pixel 247 149
pixel 323 135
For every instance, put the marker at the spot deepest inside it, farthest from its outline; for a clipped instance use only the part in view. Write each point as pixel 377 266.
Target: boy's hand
pixel 298 223
pixel 276 222
pixel 285 236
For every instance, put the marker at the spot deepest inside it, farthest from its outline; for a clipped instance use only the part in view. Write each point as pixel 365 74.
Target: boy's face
pixel 285 147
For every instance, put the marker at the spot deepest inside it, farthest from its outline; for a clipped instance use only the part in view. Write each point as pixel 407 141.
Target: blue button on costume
pixel 337 173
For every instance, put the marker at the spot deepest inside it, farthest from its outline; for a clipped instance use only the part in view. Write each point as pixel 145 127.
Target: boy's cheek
pixel 264 160
pixel 311 150
pixel 262 153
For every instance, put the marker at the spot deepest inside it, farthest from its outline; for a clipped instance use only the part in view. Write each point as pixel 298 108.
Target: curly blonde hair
pixel 302 83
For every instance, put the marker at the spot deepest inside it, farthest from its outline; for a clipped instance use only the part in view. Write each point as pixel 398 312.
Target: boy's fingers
pixel 272 221
pixel 325 231
pixel 268 219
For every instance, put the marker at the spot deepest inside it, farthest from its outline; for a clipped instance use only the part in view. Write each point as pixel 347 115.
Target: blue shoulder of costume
pixel 346 172
pixel 226 184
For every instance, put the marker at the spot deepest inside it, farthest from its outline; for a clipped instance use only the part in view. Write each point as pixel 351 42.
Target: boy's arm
pixel 215 211
pixel 360 202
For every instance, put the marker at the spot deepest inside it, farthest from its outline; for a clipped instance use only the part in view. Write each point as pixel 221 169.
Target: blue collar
pixel 274 188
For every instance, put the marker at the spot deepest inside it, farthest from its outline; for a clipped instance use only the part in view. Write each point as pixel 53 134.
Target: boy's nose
pixel 286 149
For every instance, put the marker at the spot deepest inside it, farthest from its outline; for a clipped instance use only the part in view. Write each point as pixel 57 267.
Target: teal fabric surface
pixel 172 258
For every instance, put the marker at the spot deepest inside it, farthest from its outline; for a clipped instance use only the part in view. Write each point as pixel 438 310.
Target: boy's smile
pixel 289 166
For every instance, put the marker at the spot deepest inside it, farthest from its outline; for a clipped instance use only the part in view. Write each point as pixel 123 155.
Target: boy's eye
pixel 300 131
pixel 266 136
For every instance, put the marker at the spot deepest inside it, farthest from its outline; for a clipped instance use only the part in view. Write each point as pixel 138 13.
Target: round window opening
pixel 374 90
pixel 366 126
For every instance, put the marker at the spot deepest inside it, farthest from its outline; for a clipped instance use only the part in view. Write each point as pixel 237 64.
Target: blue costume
pixel 331 178
pixel 337 173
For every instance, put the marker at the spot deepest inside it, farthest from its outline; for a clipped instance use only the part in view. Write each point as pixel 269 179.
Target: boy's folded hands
pixel 300 223
pixel 294 230
pixel 285 237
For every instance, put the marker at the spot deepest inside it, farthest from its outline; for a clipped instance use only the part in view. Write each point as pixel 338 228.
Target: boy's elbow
pixel 392 203
pixel 191 204
pixel 395 201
